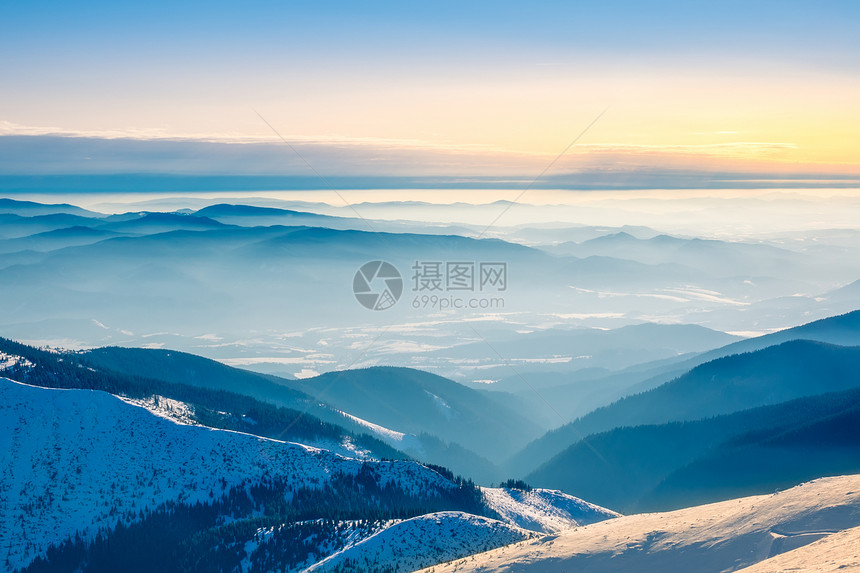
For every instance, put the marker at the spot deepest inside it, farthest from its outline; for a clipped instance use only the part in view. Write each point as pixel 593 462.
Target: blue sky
pixel 758 83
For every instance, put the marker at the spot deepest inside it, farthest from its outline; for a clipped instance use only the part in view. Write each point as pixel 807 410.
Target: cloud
pixel 728 149
pixel 374 162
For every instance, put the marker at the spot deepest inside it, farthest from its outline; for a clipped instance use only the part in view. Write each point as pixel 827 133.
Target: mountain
pixel 423 541
pixel 215 406
pixel 56 239
pixel 30 208
pixel 76 461
pixel 583 369
pixel 550 235
pixel 574 394
pixel 152 223
pixel 767 460
pixel 252 216
pixel 716 257
pixel 760 533
pixel 842 330
pixel 282 277
pixel 426 436
pixel 413 401
pixel 602 350
pixel 184 368
pixel 160 283
pixel 13 226
pixel 543 510
pixel 274 403
pixel 679 464
pixel 89 478
pixel 737 382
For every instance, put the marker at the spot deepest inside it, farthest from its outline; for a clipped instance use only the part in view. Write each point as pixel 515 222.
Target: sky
pixel 431 89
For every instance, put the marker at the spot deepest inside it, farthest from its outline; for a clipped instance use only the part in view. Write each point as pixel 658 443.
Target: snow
pixel 183 413
pixel 380 431
pixel 443 406
pixel 10 360
pixel 167 408
pixel 80 460
pixel 544 510
pixel 836 552
pixel 424 541
pixel 345 447
pixel 348 534
pixel 399 440
pixel 724 536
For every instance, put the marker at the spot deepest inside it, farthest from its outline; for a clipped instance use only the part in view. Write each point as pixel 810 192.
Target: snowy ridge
pixel 393 438
pixel 771 530
pixel 380 431
pixel 167 408
pixel 543 510
pixel 346 534
pixel 183 413
pixel 79 460
pixel 10 360
pixel 424 541
pixel 443 406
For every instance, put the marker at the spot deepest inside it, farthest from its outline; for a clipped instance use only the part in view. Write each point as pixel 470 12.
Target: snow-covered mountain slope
pixel 543 510
pixel 167 408
pixel 399 440
pixel 838 552
pixel 423 541
pixel 725 536
pixel 10 360
pixel 266 546
pixel 79 460
pixel 183 413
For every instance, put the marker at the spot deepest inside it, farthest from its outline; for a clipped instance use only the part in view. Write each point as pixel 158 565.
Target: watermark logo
pixel 438 285
pixel 429 276
pixel 377 285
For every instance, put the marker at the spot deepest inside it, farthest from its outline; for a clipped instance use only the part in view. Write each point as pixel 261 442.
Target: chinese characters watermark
pixel 378 285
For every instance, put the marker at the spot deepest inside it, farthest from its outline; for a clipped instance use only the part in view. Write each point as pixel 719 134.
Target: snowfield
pixel 422 541
pixel 79 460
pixel 836 552
pixel 544 510
pixel 761 533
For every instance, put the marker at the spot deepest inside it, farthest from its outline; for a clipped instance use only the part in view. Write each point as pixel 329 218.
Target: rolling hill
pixel 775 374
pixel 679 464
pixel 413 401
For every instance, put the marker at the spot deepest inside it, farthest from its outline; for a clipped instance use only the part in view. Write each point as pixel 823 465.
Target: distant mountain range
pixel 149 273
pixel 731 426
